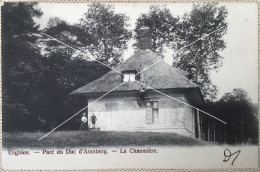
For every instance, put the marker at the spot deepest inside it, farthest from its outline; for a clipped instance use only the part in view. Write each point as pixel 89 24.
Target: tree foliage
pixel 240 114
pixel 19 24
pixel 105 32
pixel 206 25
pixel 66 33
pixel 18 33
pixel 162 27
pixel 36 81
pixel 20 62
pixel 62 75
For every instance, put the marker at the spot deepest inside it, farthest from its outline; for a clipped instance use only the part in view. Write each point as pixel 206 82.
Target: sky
pixel 240 63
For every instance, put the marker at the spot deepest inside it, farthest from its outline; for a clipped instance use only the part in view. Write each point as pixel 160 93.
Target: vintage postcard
pixel 129 86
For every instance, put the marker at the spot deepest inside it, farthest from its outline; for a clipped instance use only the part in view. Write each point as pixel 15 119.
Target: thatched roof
pixel 159 76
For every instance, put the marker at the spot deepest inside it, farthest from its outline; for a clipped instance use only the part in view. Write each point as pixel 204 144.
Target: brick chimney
pixel 145 41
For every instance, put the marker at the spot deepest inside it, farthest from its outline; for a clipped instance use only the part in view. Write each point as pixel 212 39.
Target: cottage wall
pixel 130 113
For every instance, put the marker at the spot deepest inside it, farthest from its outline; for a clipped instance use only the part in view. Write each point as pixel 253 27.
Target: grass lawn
pixel 73 139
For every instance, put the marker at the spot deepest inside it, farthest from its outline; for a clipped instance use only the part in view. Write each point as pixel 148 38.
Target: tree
pixel 201 57
pixel 21 63
pixel 18 33
pixel 18 20
pixel 238 111
pixel 64 70
pixel 36 85
pixel 107 32
pixel 62 75
pixel 162 27
pixel 62 31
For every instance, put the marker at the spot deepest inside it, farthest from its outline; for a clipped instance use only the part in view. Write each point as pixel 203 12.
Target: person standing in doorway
pixel 93 120
pixel 84 123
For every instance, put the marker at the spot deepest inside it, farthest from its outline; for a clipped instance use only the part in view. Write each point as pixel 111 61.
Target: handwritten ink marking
pixel 114 151
pixel 228 155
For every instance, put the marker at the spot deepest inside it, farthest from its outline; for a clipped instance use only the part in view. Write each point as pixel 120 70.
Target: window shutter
pixel 161 112
pixel 155 105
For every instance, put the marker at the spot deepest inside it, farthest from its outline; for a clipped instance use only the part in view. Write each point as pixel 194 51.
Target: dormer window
pixel 129 76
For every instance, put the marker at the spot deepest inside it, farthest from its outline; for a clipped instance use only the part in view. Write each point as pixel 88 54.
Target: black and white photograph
pixel 129 85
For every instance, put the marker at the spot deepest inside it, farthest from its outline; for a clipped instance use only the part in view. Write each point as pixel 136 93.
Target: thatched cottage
pixel 134 107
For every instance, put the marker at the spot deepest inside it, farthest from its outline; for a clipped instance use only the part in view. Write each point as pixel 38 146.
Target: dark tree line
pixel 240 114
pixel 20 63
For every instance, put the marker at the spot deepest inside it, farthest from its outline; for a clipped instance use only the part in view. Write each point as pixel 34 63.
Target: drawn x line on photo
pixel 204 36
pixel 149 87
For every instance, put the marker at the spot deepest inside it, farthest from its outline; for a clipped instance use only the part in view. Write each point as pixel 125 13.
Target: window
pixel 155 112
pixel 155 105
pixel 152 112
pixel 129 77
pixel 110 107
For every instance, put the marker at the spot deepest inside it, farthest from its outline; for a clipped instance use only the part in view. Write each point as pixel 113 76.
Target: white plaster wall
pixel 189 117
pixel 131 114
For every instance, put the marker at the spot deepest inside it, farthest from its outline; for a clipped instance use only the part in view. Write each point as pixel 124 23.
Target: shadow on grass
pixel 73 139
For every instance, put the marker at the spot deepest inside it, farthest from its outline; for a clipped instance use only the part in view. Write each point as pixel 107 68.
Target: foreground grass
pixel 69 139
